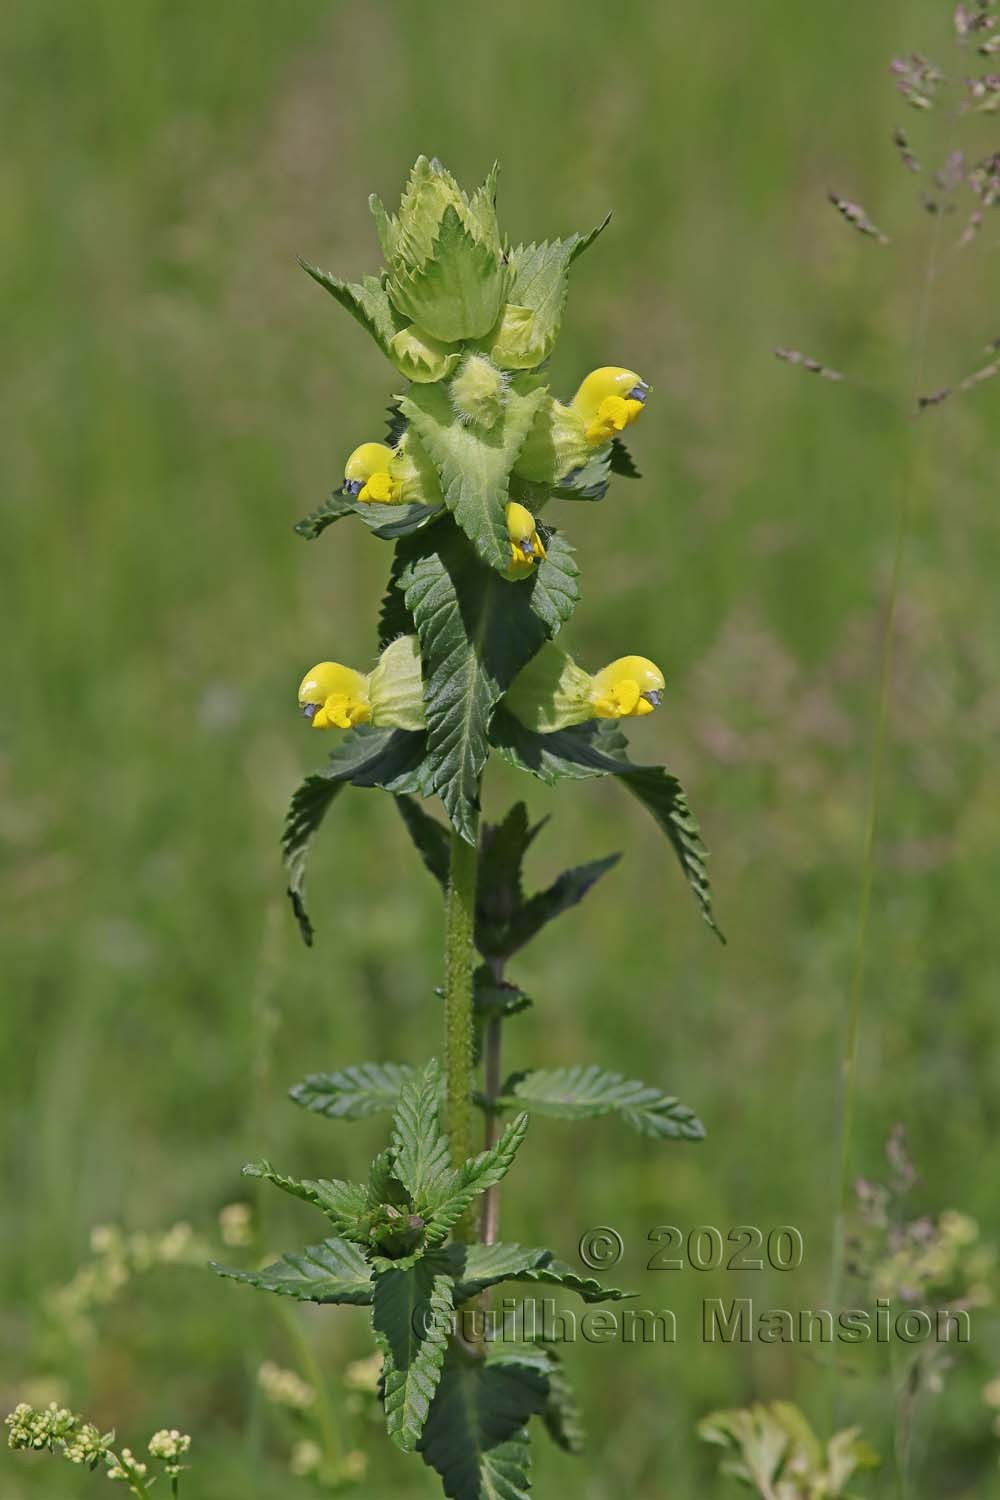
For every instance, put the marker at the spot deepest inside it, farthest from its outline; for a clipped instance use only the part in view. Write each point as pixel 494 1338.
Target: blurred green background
pixel 176 393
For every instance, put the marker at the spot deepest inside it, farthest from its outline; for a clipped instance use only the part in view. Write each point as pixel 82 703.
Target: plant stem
pixel 459 933
pixel 490 1225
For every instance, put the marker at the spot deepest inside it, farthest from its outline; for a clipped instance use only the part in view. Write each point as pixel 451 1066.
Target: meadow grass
pixel 177 394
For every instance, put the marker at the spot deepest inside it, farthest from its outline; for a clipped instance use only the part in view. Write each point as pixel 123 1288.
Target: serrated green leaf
pixel 332 1271
pixel 411 1312
pixel 334 508
pixel 558 1273
pixel 555 588
pixel 539 280
pixel 581 1093
pixel 474 466
pixel 446 1200
pixel 476 1267
pixel 365 757
pixel 590 481
pixel 476 633
pixel 420 1146
pixel 622 461
pixel 366 301
pixel 565 892
pixel 475 1436
pixel 569 754
pixel 344 1203
pixel 562 1416
pixel 598 748
pixel 394 619
pixel 352 1093
pixel 384 1186
pixel 500 892
pixel 431 840
pixel 421 358
pixel 456 293
pixel 388 522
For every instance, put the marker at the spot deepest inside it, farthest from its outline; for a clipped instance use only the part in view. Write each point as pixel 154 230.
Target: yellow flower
pixel 553 692
pixel 526 546
pixel 334 697
pixel 367 475
pixel 392 695
pixel 627 688
pixel 608 400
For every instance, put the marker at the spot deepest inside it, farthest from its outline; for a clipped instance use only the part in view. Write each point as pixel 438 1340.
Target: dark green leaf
pixel 473 465
pixel 590 481
pixel 562 1417
pixel 344 1203
pixel 580 1093
pixel 411 1313
pixel 365 757
pixel 622 461
pixel 432 841
pixel 394 618
pixel 558 1273
pixel 353 1093
pixel 333 509
pixel 476 633
pixel 332 1271
pixel 598 748
pixel 389 522
pixel 564 893
pixel 475 1436
pixel 554 586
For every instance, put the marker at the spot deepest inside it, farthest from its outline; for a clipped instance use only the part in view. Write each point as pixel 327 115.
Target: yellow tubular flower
pixel 627 688
pixel 367 475
pixel 334 697
pixel 608 400
pixel 526 546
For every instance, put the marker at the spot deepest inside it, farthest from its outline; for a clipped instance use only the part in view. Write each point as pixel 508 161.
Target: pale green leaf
pixel 353 1093
pixel 421 1147
pixel 581 1093
pixel 456 293
pixel 474 465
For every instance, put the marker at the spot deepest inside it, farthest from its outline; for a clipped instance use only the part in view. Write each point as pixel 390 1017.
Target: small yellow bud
pixel 526 546
pixel 608 400
pixel 627 688
pixel 334 697
pixel 367 475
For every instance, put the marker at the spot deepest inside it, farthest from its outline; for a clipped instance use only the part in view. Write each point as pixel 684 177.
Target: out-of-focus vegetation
pixel 176 393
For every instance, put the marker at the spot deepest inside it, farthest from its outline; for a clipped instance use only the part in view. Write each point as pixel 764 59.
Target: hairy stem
pixel 490 1226
pixel 459 932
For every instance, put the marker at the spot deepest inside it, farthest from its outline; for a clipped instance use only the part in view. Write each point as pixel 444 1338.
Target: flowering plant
pixel 479 588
